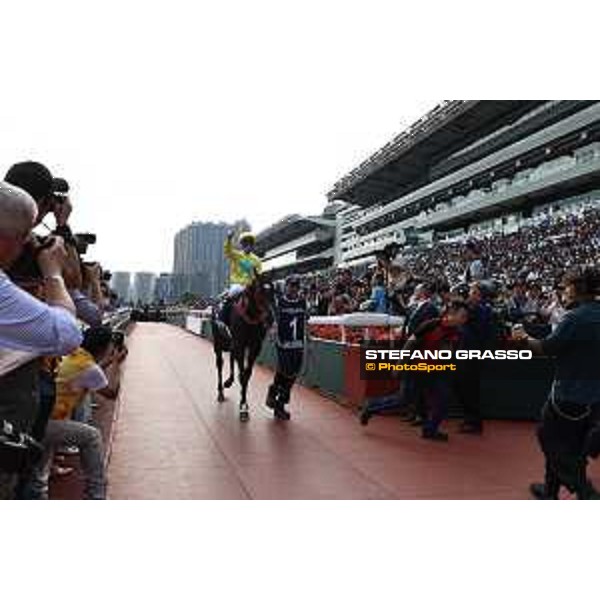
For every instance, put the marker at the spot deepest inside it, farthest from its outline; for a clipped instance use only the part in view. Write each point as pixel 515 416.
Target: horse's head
pixel 259 296
pixel 261 289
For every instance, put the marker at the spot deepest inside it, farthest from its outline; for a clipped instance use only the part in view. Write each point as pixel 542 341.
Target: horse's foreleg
pixel 219 357
pixel 244 377
pixel 229 381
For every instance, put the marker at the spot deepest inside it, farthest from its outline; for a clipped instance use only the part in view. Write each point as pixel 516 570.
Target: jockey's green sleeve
pixel 241 264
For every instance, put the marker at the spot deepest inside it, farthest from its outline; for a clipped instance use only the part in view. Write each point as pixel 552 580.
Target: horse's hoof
pixel 228 383
pixel 244 416
pixel 220 398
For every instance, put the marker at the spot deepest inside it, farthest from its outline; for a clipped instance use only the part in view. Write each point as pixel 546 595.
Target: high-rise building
pixel 143 287
pixel 199 265
pixel 121 284
pixel 163 288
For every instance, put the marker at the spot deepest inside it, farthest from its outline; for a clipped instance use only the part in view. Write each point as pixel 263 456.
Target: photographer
pixel 85 279
pixel 51 195
pixel 28 327
pixel 25 323
pixel 572 412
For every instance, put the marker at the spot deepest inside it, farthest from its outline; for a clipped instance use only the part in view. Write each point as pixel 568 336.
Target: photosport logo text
pixel 383 363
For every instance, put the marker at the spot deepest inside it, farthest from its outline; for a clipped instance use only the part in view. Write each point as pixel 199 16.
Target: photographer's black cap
pixel 33 177
pixel 60 186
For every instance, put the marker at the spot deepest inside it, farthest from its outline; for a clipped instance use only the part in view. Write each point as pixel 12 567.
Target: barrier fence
pixel 118 320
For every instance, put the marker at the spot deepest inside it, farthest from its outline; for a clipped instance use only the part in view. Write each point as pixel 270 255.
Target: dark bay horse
pixel 251 316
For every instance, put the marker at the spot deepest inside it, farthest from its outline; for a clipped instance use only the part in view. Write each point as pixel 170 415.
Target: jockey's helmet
pixel 247 238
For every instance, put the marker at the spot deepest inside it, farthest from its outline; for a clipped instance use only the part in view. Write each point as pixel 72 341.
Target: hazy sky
pixel 163 113
pixel 158 117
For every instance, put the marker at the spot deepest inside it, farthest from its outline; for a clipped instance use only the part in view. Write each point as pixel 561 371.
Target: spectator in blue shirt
pixel 379 301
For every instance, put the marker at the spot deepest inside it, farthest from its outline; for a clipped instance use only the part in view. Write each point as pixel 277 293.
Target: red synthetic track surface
pixel 172 440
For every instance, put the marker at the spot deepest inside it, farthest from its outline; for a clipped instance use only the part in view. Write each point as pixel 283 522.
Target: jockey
pixel 243 263
pixel 243 266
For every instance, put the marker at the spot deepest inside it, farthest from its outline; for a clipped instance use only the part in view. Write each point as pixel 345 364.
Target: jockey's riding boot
pixel 225 312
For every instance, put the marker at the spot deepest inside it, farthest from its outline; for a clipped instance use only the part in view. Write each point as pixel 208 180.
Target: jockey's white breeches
pixel 235 289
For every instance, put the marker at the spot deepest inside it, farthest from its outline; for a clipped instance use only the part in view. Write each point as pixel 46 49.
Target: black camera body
pixel 26 268
pixel 82 241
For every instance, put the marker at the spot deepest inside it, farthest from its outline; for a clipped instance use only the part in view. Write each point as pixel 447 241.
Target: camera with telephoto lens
pixel 82 241
pixel 26 269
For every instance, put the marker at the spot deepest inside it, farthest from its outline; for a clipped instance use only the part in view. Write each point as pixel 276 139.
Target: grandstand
pixel 470 167
pixel 297 243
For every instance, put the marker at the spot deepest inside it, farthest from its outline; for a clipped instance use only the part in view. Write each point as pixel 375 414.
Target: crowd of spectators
pixel 520 272
pixel 55 352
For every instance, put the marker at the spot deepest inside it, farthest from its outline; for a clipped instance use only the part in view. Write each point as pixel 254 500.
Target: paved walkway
pixel 174 441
